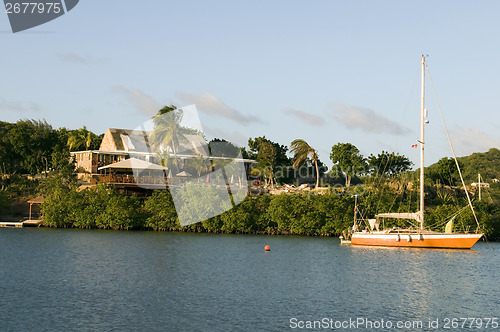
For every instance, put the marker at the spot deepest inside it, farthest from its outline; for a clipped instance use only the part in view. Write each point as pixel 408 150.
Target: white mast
pixel 422 143
pixel 479 184
pixel 355 227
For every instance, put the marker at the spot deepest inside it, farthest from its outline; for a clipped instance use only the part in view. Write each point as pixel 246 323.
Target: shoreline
pixel 199 230
pixel 210 231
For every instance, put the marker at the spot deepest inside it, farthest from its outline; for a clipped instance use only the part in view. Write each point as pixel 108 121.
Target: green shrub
pixel 161 211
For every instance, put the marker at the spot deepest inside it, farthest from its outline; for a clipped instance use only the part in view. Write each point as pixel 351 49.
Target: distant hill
pixel 485 163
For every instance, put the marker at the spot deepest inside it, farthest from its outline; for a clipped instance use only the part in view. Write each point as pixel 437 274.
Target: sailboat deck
pixel 415 239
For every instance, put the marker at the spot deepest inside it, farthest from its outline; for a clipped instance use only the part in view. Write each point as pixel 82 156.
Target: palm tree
pixel 200 163
pixel 75 140
pixel 88 137
pixel 301 151
pixel 167 130
pixel 165 160
pixel 78 138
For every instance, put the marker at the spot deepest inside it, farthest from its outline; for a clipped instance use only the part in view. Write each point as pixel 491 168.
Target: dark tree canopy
pixel 32 146
pixel 445 171
pixel 281 150
pixel 272 155
pixel 390 164
pixel 222 148
pixel 347 159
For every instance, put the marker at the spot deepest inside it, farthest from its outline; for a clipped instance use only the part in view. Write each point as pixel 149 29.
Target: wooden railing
pixel 130 179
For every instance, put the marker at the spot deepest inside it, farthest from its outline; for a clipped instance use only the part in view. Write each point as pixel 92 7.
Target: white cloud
pixel 355 117
pixel 210 104
pixel 140 100
pixel 313 120
pixel 18 106
pixel 469 140
pixel 77 58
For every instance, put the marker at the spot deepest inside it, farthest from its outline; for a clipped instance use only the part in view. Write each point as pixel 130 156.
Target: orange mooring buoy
pixel 267 248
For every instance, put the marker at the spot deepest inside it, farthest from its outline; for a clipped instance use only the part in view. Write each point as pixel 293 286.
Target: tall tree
pixel 31 142
pixel 348 158
pixel 8 158
pixel 386 163
pixel 222 148
pixel 266 159
pixel 167 131
pixel 301 151
pixel 281 163
pixel 61 159
pixel 281 150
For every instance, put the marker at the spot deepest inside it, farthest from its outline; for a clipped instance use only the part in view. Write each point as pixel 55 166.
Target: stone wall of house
pixel 108 143
pixel 83 161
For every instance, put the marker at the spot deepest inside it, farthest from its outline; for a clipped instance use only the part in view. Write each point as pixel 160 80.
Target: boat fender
pixel 398 238
pixel 409 238
pixel 420 237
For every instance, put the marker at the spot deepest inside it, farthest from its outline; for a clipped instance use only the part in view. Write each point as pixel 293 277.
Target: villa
pixel 126 159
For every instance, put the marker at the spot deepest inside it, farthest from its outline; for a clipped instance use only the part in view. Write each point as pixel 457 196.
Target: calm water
pixel 66 280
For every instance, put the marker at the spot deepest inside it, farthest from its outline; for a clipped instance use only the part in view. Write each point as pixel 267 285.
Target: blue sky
pixel 324 71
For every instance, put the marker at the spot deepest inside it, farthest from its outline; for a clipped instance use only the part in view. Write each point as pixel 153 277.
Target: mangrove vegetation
pixel 35 160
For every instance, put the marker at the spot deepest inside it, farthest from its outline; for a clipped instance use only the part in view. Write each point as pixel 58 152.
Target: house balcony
pixel 129 181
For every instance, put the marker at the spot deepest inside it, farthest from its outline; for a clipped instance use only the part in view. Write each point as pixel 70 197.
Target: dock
pixel 14 224
pixel 32 223
pixel 20 224
pixel 344 240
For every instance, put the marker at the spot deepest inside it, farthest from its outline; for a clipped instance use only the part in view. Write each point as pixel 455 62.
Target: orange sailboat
pixel 420 237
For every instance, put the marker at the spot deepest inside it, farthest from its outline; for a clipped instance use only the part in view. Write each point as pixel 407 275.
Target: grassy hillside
pixel 485 163
pixel 445 196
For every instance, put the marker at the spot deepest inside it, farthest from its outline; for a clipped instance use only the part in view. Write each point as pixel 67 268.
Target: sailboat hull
pixel 416 240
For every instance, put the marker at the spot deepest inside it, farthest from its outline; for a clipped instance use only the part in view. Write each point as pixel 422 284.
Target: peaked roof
pixel 37 200
pixel 137 140
pixel 124 140
pixel 134 163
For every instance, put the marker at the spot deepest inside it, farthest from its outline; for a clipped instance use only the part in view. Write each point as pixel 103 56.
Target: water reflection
pixel 105 280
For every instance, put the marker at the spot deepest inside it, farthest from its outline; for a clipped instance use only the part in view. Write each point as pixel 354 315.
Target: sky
pixel 325 71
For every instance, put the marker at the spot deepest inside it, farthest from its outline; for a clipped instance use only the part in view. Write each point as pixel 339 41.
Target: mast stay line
pixel 452 149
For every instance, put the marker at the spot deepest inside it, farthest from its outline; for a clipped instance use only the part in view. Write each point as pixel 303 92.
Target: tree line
pixel 306 213
pixel 34 147
pixel 275 166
